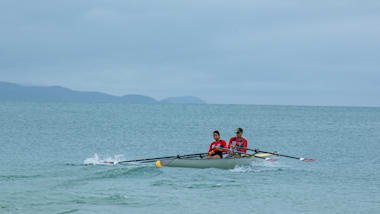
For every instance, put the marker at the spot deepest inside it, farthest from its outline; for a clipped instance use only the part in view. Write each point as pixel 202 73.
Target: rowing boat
pixel 226 163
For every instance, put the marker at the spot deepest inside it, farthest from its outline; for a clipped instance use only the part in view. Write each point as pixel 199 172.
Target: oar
pixel 278 154
pixel 250 155
pixel 288 156
pixel 147 160
pixel 177 157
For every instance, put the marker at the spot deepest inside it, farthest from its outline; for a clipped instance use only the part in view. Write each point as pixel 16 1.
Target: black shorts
pixel 218 153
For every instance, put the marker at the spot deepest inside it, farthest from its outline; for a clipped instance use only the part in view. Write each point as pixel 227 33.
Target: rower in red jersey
pixel 216 147
pixel 238 141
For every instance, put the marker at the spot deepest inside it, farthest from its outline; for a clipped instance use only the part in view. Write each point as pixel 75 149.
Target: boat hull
pixel 227 163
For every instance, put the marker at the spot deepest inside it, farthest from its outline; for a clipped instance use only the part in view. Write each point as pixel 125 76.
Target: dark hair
pixel 216 131
pixel 239 130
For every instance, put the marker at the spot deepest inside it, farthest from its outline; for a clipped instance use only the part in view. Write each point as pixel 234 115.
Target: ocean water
pixel 44 148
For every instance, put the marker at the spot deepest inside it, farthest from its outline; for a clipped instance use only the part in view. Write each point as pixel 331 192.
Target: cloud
pixel 278 51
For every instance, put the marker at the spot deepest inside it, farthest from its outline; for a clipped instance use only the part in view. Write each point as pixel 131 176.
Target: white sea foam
pixel 258 167
pixel 95 160
pixel 242 169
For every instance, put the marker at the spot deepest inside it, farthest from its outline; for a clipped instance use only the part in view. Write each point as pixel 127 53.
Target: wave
pixel 109 199
pixel 256 167
pixel 17 177
pixel 69 211
pixel 115 172
pixel 129 171
pixel 120 170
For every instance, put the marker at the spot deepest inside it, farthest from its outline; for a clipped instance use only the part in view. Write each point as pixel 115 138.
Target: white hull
pixel 226 163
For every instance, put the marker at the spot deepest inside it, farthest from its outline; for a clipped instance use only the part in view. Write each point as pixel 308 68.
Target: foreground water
pixel 43 148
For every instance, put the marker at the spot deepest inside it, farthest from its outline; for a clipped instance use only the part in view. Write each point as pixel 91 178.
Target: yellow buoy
pixel 158 163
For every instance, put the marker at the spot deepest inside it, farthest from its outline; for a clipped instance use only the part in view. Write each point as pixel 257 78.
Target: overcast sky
pixel 297 52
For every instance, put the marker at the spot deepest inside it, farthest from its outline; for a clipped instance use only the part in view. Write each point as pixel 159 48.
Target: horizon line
pixel 207 103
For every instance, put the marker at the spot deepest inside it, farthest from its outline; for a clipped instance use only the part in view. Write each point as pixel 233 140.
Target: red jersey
pixel 241 142
pixel 220 144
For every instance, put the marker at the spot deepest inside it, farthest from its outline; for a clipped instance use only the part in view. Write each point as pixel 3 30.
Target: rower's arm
pixel 245 145
pixel 230 143
pixel 225 146
pixel 210 149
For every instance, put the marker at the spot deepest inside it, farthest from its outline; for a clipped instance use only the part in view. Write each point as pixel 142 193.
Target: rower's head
pixel 239 132
pixel 216 135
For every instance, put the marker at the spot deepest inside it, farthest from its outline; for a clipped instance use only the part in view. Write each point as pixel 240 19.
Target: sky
pixel 282 52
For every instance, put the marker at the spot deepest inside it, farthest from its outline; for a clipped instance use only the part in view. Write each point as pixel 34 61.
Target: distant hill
pixel 134 98
pixel 16 92
pixel 183 100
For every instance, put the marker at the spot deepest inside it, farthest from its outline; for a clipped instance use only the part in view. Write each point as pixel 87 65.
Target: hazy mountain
pixel 16 92
pixel 134 98
pixel 183 100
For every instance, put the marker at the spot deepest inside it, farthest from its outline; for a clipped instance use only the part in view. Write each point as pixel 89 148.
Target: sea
pixel 51 155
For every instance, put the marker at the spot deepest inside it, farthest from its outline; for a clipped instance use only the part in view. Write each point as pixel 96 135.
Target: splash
pixel 96 160
pixel 258 167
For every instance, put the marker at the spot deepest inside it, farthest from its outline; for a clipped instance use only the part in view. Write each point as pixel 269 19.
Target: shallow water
pixel 44 146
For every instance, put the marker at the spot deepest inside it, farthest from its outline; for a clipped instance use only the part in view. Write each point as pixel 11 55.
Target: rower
pixel 216 150
pixel 238 141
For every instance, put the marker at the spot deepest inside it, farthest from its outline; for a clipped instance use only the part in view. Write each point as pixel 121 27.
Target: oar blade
pixel 263 155
pixel 309 160
pixel 108 163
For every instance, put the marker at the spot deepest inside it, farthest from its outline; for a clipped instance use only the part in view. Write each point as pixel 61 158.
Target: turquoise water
pixel 43 148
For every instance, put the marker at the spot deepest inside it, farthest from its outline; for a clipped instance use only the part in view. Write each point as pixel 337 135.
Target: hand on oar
pixel 147 160
pixel 278 154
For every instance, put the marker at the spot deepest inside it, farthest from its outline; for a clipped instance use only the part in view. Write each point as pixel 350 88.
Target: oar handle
pixel 253 150
pixel 229 150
